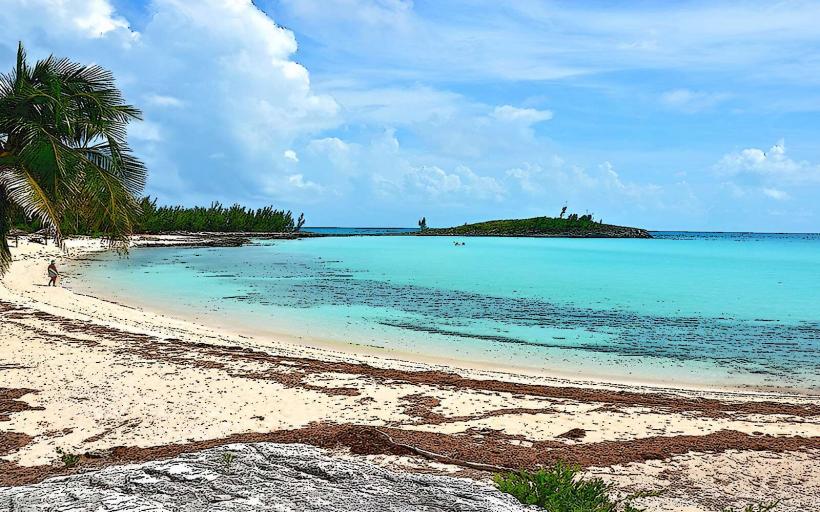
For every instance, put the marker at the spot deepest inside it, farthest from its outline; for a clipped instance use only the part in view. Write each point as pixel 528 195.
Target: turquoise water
pixel 708 309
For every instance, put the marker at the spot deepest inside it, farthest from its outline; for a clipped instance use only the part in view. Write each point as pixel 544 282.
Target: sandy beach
pixel 116 384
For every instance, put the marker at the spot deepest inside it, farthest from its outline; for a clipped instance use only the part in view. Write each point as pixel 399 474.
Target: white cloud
pixel 64 20
pixel 555 177
pixel 431 183
pixel 163 101
pixel 98 18
pixel 691 101
pixel 740 191
pixel 771 165
pixel 432 180
pixel 735 190
pixel 547 41
pixel 298 181
pixel 395 106
pixel 145 131
pixel 550 176
pixel 342 156
pixel 532 178
pixel 611 180
pixel 329 145
pixel 481 187
pixel 371 12
pixel 776 194
pixel 226 62
pixel 290 154
pixel 525 115
pixel 387 142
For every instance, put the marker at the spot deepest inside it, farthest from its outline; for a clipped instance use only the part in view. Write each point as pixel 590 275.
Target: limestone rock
pixel 256 477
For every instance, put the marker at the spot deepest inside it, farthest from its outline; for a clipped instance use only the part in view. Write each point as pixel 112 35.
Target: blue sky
pixel 669 115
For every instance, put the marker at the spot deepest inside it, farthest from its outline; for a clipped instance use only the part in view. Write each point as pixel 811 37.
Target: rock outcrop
pixel 255 477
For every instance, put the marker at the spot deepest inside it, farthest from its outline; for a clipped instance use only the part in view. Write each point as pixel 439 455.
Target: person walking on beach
pixel 53 274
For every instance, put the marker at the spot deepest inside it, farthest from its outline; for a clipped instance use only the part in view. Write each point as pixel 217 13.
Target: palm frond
pixel 63 138
pixel 21 187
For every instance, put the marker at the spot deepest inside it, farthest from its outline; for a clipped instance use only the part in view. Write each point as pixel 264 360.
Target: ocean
pixel 706 309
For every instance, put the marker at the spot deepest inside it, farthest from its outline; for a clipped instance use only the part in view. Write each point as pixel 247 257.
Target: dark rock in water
pixel 255 477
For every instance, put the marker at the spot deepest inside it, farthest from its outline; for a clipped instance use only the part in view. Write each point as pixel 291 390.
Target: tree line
pixel 153 219
pixel 215 218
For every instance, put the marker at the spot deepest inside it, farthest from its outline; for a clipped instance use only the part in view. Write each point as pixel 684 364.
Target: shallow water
pixel 707 309
pixel 359 231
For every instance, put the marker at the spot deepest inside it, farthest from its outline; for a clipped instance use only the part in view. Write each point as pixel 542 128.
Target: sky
pixel 665 115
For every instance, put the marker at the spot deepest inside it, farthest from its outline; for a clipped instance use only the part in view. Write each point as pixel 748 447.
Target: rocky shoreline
pixel 211 239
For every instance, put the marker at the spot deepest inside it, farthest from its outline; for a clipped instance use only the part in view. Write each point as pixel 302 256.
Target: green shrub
pixel 559 489
pixel 69 459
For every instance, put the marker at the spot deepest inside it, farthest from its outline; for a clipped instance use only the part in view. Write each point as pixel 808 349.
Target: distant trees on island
pixel 573 221
pixel 572 225
pixel 531 226
pixel 153 219
pixel 574 216
pixel 215 218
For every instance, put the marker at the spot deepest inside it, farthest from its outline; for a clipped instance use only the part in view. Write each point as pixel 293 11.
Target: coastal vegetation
pixel 227 460
pixel 560 489
pixel 215 218
pixel 64 156
pixel 154 219
pixel 68 459
pixel 571 226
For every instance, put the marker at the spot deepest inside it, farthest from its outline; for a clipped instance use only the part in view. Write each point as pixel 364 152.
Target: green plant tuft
pixel 559 489
pixel 69 459
pixel 227 459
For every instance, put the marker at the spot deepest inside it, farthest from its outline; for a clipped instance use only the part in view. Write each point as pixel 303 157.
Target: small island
pixel 573 226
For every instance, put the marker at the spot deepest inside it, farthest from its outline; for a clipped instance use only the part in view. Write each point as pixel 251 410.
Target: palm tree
pixel 63 150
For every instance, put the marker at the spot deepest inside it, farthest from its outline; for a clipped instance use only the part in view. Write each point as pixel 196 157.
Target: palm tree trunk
pixel 5 228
